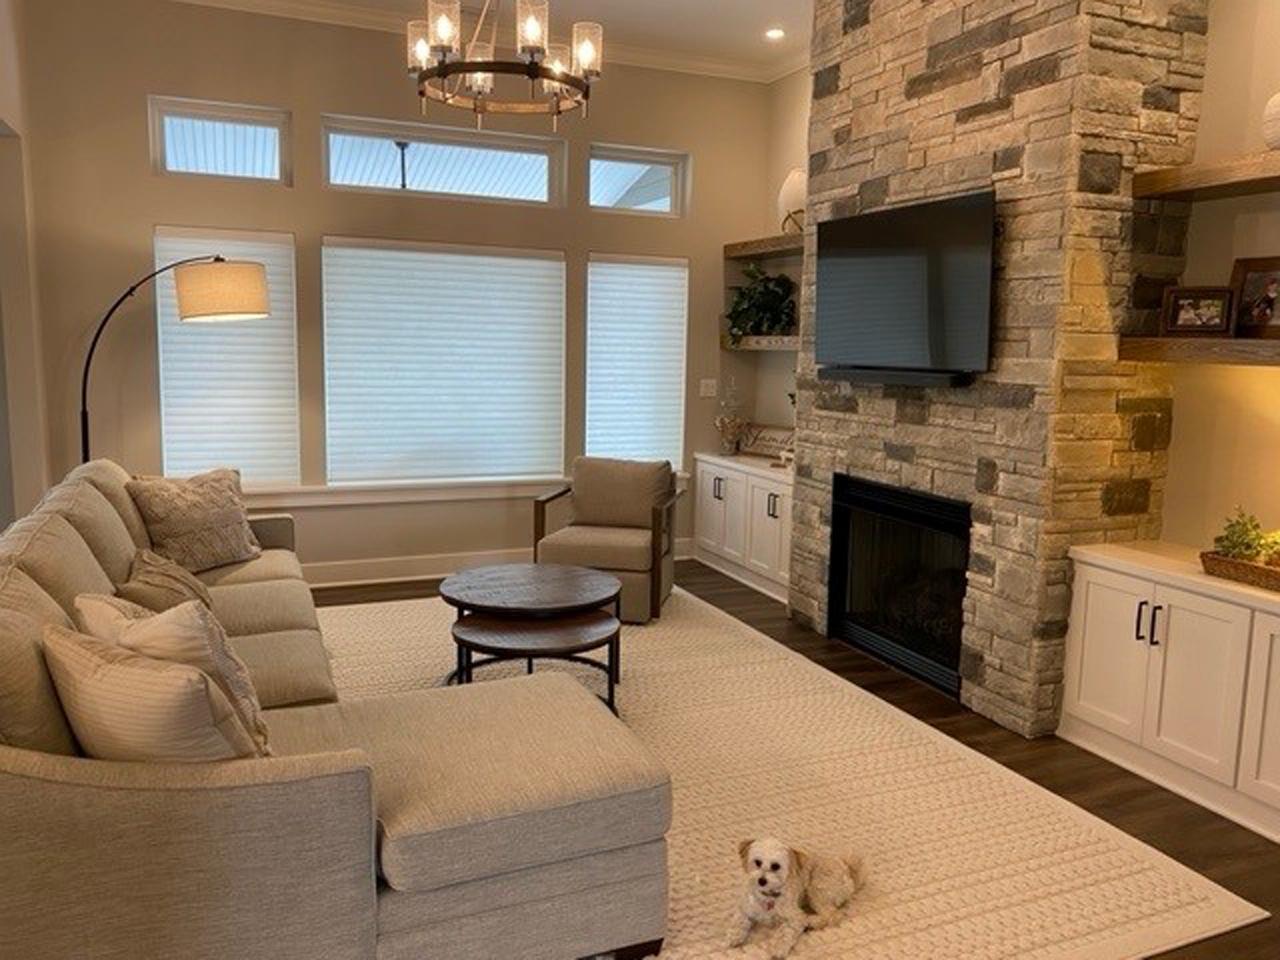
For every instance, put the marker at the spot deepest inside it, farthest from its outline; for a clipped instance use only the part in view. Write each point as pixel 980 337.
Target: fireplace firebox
pixel 897 577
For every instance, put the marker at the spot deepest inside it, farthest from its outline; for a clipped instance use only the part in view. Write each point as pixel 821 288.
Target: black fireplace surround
pixel 897 577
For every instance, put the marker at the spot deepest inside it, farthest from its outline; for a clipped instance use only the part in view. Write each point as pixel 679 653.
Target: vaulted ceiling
pixel 713 37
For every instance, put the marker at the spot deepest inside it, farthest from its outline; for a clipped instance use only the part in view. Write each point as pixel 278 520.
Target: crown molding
pixel 341 14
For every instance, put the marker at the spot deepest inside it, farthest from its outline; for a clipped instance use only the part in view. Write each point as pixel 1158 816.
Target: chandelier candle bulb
pixel 533 25
pixel 444 24
pixel 588 49
pixel 419 45
pixel 559 60
pixel 480 84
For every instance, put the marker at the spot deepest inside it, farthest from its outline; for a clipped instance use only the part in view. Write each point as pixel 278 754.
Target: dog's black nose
pixel 763 882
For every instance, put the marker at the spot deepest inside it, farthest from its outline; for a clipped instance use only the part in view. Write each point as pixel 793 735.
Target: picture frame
pixel 1255 287
pixel 1197 312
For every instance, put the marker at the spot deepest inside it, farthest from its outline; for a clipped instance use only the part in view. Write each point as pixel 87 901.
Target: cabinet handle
pixel 770 506
pixel 1137 622
pixel 715 488
pixel 1155 612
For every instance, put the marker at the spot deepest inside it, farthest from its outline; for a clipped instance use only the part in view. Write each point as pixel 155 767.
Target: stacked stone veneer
pixel 1055 103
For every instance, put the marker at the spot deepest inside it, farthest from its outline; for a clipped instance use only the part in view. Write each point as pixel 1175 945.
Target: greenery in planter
pixel 1244 539
pixel 764 306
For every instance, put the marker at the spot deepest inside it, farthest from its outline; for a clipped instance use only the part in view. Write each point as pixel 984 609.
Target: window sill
pixel 361 494
pixel 443 491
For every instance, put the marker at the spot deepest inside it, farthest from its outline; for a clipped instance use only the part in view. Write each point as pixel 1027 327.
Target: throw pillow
pixel 124 706
pixel 157 583
pixel 200 523
pixel 188 633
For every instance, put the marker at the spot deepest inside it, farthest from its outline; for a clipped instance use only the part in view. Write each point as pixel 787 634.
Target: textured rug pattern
pixel 964 858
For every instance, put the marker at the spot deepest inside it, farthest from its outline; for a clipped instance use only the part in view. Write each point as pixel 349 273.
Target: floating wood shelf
pixel 783 245
pixel 1211 181
pixel 762 343
pixel 1257 353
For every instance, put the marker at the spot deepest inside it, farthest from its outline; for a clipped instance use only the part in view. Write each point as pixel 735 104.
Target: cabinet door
pixel 1195 691
pixel 733 491
pixel 1260 748
pixel 709 518
pixel 764 534
pixel 1106 669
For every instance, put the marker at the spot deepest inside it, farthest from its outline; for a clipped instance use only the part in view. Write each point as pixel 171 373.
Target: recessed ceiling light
pixel 775 34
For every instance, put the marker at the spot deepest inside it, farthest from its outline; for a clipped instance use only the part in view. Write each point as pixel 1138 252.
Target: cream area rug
pixel 964 858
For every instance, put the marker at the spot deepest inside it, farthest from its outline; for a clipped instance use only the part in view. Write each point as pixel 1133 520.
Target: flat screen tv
pixel 907 291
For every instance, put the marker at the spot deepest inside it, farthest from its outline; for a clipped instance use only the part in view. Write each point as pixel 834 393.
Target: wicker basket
pixel 1242 571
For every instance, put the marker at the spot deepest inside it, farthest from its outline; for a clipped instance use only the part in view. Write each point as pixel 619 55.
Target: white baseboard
pixel 1211 794
pixel 431 566
pixel 770 588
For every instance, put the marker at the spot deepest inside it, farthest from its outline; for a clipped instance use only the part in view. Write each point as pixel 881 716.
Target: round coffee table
pixel 530 611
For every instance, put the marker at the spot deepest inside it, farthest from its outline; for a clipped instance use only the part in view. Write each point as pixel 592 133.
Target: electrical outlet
pixel 707 389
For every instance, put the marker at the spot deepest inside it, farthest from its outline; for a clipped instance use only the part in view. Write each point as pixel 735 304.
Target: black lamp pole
pixel 93 344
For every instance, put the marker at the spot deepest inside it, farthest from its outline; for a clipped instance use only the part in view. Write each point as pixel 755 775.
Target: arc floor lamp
pixel 211 289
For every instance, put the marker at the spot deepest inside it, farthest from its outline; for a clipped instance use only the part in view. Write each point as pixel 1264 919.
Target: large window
pixel 638 181
pixel 219 139
pixel 442 363
pixel 229 391
pixel 637 313
pixel 443 161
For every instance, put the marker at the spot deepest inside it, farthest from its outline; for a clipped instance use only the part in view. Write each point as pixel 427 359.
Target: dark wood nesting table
pixel 535 611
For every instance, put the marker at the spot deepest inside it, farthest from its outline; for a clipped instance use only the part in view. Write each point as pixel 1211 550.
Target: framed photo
pixel 1255 286
pixel 1196 312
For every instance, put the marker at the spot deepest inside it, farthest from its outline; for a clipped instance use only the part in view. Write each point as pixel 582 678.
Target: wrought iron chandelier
pixel 560 75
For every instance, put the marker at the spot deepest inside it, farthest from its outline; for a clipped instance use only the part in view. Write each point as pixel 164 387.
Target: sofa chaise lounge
pixel 511 818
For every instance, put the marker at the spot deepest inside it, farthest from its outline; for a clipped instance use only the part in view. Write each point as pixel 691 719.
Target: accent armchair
pixel 623 522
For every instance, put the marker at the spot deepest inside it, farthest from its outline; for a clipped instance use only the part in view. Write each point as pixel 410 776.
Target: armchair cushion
pixel 288 668
pixel 47 548
pixel 267 606
pixel 492 777
pixel 604 548
pixel 31 715
pixel 110 479
pixel 619 493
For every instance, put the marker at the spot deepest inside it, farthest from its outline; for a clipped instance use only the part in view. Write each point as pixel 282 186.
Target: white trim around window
pixel 677 164
pixel 513 145
pixel 232 117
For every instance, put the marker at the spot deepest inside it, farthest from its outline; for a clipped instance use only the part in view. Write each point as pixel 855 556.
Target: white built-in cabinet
pixel 742 524
pixel 1176 675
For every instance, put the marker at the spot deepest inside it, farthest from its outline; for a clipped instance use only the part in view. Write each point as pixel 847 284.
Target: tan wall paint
pixel 24 464
pixel 1226 435
pixel 790 100
pixel 98 202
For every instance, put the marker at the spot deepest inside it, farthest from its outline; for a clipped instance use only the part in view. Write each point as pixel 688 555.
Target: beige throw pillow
pixel 157 583
pixel 188 633
pixel 200 523
pixel 124 706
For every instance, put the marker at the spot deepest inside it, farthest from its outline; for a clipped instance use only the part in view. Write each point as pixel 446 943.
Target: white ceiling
pixel 715 37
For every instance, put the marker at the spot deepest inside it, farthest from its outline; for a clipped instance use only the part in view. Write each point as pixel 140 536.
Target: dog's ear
pixel 743 849
pixel 799 862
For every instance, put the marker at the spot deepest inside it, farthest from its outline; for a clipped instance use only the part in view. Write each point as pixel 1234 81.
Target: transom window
pixel 443 161
pixel 637 180
pixel 219 139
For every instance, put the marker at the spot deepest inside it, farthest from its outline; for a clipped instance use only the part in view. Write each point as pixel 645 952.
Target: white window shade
pixel 637 313
pixel 442 363
pixel 229 391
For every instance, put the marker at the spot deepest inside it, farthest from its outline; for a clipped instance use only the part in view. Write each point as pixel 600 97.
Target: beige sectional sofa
pixel 512 818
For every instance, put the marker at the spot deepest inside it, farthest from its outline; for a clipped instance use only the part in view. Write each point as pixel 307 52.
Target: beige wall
pixel 23 463
pixel 97 204
pixel 789 102
pixel 1226 437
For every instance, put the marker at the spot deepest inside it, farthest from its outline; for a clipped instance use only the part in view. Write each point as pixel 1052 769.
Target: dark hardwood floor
pixel 1232 856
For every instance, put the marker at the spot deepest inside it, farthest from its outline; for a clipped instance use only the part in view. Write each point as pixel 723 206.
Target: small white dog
pixel 792 891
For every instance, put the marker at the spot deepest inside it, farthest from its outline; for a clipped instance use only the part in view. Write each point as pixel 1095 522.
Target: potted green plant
pixel 764 306
pixel 1244 552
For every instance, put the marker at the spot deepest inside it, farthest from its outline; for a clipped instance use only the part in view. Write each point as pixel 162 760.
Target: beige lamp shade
pixel 222 291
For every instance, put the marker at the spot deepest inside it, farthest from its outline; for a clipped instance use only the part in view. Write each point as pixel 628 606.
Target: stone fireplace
pixel 1055 103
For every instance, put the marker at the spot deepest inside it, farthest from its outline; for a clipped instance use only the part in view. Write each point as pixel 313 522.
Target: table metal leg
pixel 529 666
pixel 466 665
pixel 616 657
pixel 611 672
